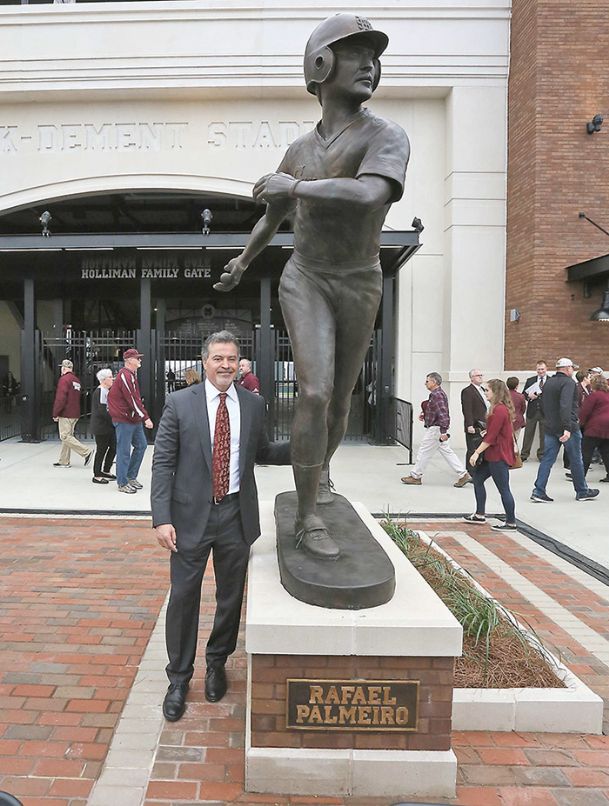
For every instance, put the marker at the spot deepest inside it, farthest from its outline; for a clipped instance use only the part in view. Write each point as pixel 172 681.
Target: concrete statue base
pixel 348 702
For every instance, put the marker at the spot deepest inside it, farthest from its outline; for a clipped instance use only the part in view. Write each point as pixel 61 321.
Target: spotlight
pixel 602 314
pixel 45 219
pixel 595 124
pixel 206 217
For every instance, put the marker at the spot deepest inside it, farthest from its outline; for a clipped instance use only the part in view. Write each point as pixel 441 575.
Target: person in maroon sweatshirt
pixel 129 417
pixel 247 378
pixel 520 405
pixel 594 420
pixel 66 413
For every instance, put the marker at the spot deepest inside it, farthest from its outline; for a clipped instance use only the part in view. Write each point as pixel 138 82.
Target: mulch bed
pixel 504 660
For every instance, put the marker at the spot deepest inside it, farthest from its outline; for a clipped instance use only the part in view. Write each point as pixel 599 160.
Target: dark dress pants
pixel 224 537
pixel 104 453
pixel 529 435
pixel 589 444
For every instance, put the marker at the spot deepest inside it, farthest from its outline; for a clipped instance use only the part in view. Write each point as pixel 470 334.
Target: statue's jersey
pixel 337 232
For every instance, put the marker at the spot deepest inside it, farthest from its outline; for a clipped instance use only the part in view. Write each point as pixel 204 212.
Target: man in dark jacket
pixel 532 391
pixel 204 499
pixel 474 406
pixel 126 408
pixel 560 413
pixel 66 413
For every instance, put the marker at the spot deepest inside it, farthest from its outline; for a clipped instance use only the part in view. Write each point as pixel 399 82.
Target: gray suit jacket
pixel 182 492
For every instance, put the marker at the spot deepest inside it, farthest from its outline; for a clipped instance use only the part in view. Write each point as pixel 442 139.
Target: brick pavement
pixel 78 602
pixel 92 593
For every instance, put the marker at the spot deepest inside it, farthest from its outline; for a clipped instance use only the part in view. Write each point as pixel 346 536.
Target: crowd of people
pixel 118 418
pixel 569 409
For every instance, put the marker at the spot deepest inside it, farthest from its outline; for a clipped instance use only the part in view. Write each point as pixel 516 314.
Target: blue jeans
pixel 573 449
pixel 128 462
pixel 500 473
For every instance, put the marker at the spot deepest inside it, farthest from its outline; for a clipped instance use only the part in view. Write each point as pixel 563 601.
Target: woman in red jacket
pixel 594 419
pixel 498 450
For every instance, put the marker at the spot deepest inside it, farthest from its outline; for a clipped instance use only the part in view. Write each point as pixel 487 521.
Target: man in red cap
pixel 129 417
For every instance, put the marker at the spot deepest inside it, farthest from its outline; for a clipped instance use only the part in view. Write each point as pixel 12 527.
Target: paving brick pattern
pixel 72 592
pixel 78 601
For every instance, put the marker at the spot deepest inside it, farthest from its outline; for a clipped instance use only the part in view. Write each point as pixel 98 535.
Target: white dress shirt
pixel 481 392
pixel 234 415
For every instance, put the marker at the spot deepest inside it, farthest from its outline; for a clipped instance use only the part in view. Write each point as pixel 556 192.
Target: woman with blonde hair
pixel 497 452
pixel 191 376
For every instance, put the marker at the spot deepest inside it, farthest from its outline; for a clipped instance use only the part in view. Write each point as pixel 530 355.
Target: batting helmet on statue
pixel 319 57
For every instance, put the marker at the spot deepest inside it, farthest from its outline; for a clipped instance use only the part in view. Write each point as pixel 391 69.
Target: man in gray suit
pixel 204 497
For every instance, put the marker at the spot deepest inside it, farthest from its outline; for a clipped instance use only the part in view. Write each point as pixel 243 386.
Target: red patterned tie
pixel 221 452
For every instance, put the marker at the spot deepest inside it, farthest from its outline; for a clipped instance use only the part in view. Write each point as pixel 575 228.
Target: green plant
pixel 491 629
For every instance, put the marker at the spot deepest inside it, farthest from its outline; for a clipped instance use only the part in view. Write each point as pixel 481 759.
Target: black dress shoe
pixel 215 683
pixel 174 703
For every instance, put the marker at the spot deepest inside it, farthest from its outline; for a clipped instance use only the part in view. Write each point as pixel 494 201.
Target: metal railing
pixel 403 424
pixel 10 417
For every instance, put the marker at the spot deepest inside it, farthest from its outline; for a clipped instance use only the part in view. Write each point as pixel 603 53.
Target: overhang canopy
pixel 589 270
pixel 397 246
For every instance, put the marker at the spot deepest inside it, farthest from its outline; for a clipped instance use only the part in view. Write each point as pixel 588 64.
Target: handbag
pixel 517 459
pixel 477 440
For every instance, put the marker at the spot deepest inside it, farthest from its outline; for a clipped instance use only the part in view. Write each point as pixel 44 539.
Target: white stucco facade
pixel 207 95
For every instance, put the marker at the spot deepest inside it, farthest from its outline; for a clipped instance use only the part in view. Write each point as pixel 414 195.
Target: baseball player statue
pixel 339 181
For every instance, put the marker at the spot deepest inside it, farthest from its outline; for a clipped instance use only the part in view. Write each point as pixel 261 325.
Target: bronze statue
pixel 340 180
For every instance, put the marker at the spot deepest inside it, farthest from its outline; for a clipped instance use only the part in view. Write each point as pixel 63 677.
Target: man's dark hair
pixel 221 337
pixel 541 361
pixel 512 382
pixel 580 375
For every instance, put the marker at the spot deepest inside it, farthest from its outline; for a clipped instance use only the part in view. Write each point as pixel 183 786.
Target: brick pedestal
pixel 412 638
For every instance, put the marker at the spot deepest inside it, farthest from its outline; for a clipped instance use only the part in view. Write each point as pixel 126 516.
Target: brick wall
pixel 268 714
pixel 558 81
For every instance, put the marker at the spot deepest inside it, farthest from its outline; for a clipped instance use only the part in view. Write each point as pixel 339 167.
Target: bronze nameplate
pixel 372 705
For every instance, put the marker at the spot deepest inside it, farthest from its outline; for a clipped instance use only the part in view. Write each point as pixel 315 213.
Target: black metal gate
pixel 178 361
pixel 180 355
pixel 285 391
pixel 89 351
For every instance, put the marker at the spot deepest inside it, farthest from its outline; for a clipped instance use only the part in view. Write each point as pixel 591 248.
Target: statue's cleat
pixel 316 541
pixel 325 492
